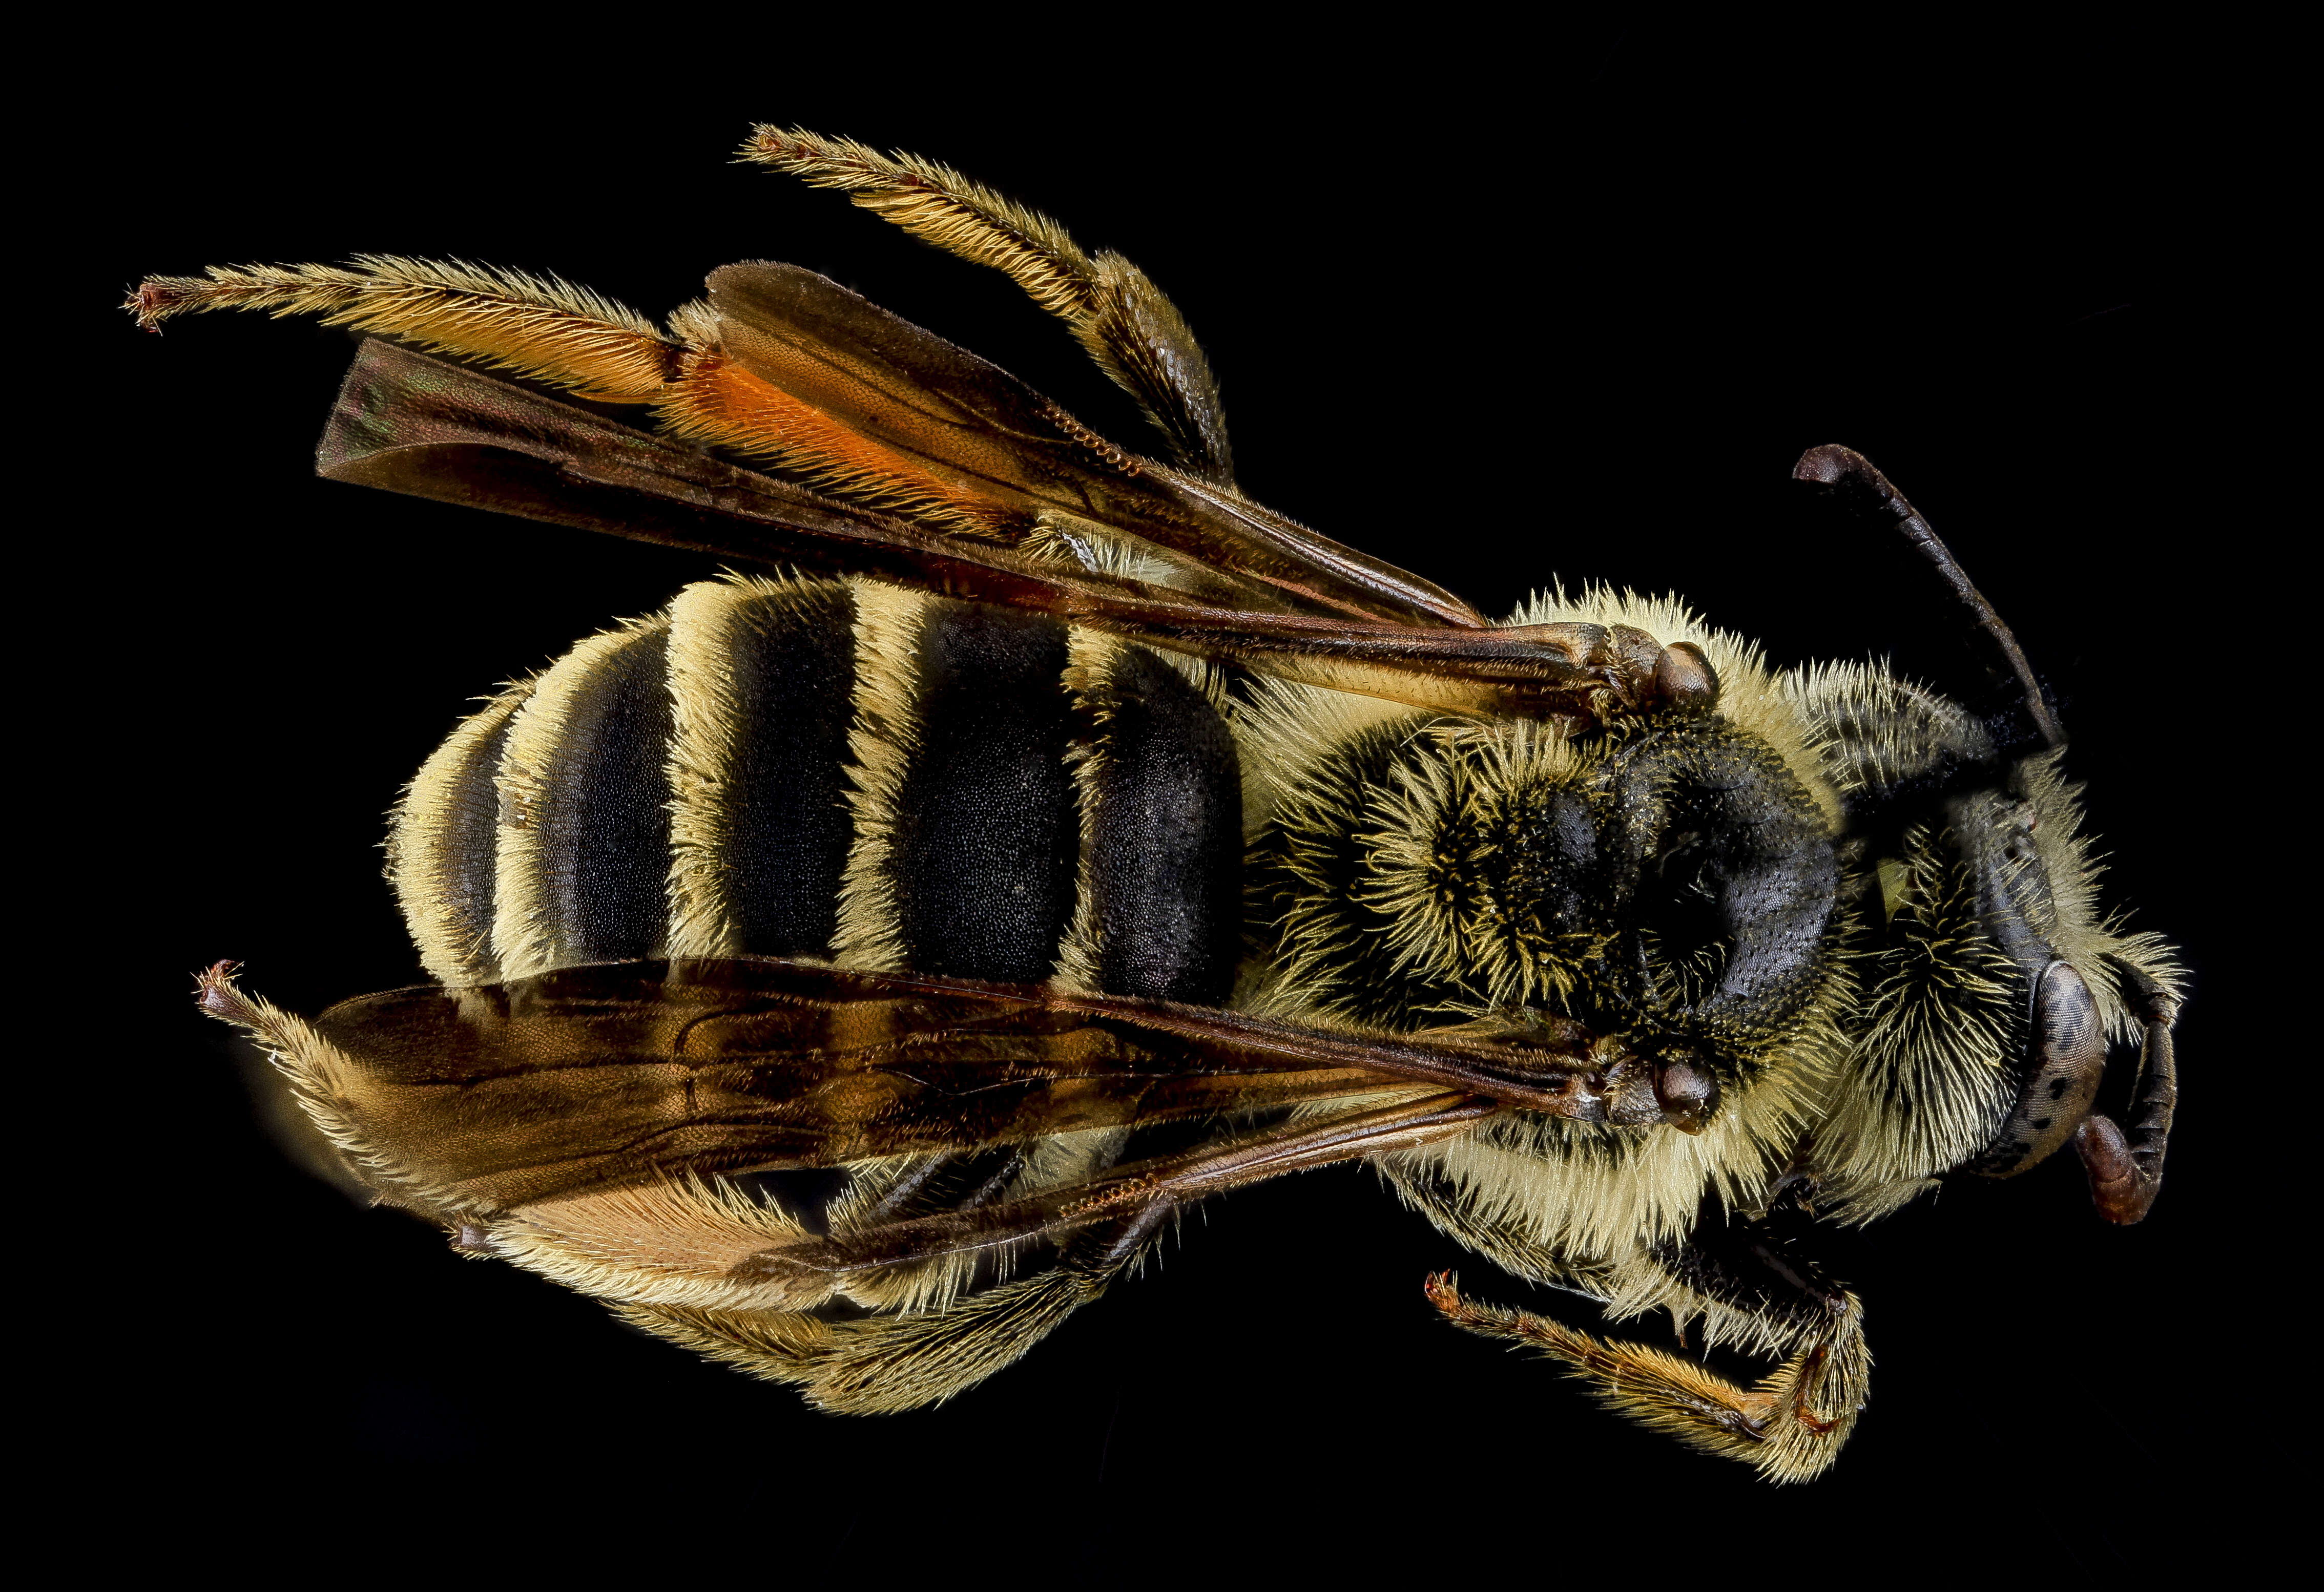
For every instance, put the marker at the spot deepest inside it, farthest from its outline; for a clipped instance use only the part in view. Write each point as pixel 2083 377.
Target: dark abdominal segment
pixel 1163 866
pixel 986 832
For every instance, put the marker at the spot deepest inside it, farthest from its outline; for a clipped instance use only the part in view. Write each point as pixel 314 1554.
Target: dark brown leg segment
pixel 2126 1170
pixel 1131 1194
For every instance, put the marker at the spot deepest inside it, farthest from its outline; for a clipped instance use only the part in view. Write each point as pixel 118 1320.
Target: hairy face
pixel 1991 977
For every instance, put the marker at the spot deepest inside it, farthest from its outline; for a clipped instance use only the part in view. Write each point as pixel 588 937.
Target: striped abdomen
pixel 836 770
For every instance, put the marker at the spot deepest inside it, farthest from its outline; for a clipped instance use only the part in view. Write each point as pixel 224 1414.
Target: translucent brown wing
pixel 627 1127
pixel 435 429
pixel 618 1074
pixel 905 387
pixel 988 1158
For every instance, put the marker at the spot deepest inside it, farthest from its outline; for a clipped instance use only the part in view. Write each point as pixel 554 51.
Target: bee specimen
pixel 852 970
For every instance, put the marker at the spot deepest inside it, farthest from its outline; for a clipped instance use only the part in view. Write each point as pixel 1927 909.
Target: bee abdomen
pixel 583 830
pixel 1160 888
pixel 443 848
pixel 763 684
pixel 837 769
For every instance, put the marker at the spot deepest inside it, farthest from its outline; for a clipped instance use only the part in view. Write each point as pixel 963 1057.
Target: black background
pixel 1499 307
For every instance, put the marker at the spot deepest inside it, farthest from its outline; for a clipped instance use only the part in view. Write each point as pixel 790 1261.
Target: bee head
pixel 1993 982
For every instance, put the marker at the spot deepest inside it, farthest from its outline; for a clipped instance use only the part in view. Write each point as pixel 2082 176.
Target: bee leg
pixel 912 1360
pixel 785 1273
pixel 882 1365
pixel 572 339
pixel 904 1362
pixel 684 1242
pixel 1790 1426
pixel 742 1284
pixel 310 1074
pixel 2126 1172
pixel 1128 327
pixel 537 326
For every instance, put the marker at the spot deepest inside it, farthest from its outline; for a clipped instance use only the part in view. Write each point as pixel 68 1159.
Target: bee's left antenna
pixel 1853 478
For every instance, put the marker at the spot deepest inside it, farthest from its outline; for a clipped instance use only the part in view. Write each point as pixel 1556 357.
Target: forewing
pixel 905 387
pixel 623 1073
pixel 434 429
pixel 978 1158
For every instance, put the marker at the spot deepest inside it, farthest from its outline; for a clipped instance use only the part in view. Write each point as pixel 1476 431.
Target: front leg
pixel 1790 1427
pixel 2126 1171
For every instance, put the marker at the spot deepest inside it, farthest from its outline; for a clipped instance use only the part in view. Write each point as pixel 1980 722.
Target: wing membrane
pixel 909 388
pixel 601 1125
pixel 621 1073
pixel 434 429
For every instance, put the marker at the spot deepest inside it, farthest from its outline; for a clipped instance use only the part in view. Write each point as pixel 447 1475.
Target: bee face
pixel 1992 979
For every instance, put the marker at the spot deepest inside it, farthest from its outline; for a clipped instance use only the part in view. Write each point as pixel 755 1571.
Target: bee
pixel 854 968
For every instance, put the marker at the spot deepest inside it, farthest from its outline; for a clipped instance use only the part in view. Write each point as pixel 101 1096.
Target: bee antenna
pixel 1852 477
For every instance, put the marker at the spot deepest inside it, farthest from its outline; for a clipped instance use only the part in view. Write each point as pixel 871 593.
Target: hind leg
pixel 1790 1426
